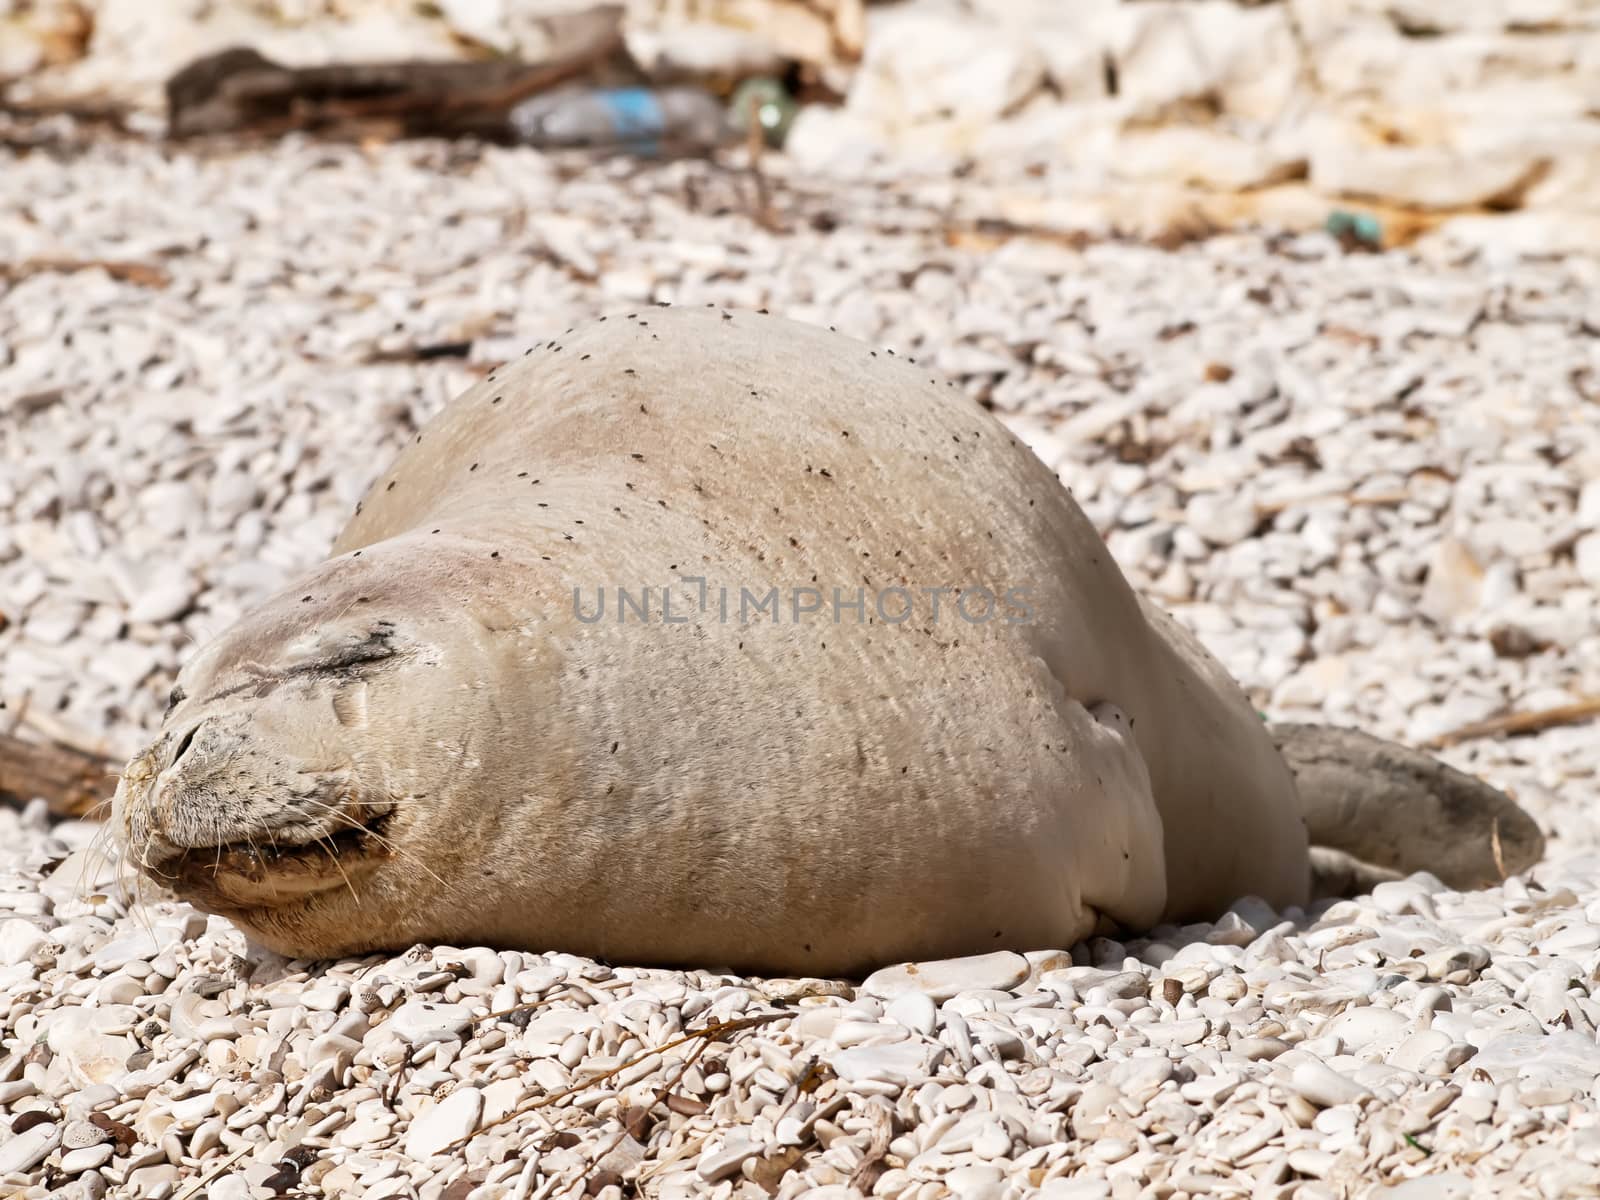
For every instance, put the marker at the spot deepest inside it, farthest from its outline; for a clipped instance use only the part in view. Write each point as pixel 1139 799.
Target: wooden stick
pixel 1521 722
pixel 73 782
pixel 137 273
pixel 239 90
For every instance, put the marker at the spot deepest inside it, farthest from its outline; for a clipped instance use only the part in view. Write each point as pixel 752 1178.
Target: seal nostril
pixel 183 746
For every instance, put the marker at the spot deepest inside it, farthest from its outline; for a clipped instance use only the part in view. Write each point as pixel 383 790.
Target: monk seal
pixel 712 638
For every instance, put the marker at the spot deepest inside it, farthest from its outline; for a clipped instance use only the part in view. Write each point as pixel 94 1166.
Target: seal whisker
pixel 407 856
pixel 333 857
pixel 387 843
pixel 216 825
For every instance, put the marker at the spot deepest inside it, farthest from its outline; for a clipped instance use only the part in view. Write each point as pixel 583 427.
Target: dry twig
pixel 1514 723
pixel 715 1031
pixel 137 273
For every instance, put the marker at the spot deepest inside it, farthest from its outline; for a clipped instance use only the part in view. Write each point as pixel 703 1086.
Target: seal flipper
pixel 1392 810
pixel 1335 874
pixel 1127 890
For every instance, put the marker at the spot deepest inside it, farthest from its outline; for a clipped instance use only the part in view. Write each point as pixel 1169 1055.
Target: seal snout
pixel 249 866
pixel 215 813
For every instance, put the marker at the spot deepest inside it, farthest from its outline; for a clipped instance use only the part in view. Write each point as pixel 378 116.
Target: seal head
pixel 278 793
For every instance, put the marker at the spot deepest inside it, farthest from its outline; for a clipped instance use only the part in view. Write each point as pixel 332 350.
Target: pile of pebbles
pixel 1369 482
pixel 1427 1042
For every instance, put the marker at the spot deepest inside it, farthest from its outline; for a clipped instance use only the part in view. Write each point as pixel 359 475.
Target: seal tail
pixel 1376 810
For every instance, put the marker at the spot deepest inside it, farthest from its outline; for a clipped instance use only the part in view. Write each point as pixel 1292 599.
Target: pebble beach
pixel 1370 482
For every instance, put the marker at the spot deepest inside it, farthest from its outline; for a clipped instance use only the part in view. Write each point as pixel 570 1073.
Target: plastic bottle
pixel 765 102
pixel 637 119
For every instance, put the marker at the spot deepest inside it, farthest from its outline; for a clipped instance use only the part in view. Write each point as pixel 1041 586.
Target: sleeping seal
pixel 711 638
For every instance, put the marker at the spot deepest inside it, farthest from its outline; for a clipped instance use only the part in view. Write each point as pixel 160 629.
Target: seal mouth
pixel 252 871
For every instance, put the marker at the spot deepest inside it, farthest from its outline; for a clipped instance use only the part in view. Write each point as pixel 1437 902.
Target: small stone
pixel 450 1120
pixel 195 1109
pixel 87 1158
pixel 1324 1086
pixel 1177 1033
pixel 139 946
pixel 82 872
pixel 1586 557
pixel 419 1022
pixel 992 1141
pixel 81 1134
pixel 167 596
pixel 25 1151
pixel 896 1063
pixel 230 1187
pixel 1222 519
pixel 18 940
pixel 943 979
pixel 328 996
pixel 1443 1185
pixel 1260 1049
pixel 81 1039
pixel 719 1163
pixel 18 1089
pixel 1110 1149
pixel 1367 1026
pixel 975 1183
pixel 1455 582
pixel 156 1179
pixel 916 1011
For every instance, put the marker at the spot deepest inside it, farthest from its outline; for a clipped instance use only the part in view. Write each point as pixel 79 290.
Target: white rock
pixel 1366 1027
pixel 924 65
pixel 915 1010
pixel 945 978
pixel 1455 582
pixel 230 1187
pixel 28 1149
pixel 81 1134
pixel 88 1158
pixel 18 940
pixel 899 1062
pixel 1442 1185
pixel 192 1111
pixel 141 945
pixel 1586 556
pixel 1244 58
pixel 1324 1086
pixel 975 1183
pixel 167 595
pixel 1565 1058
pixel 419 1021
pixel 92 1043
pixel 83 872
pixel 1221 519
pixel 18 1089
pixel 1347 160
pixel 451 1119
pixel 169 507
pixel 329 996
pixel 537 980
pixel 720 1162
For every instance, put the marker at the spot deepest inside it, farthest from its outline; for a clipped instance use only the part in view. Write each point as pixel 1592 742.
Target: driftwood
pixel 1512 723
pixel 72 782
pixel 242 91
pixel 139 274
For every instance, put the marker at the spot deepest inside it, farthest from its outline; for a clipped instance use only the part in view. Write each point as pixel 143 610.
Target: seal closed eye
pixel 680 675
pixel 183 746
